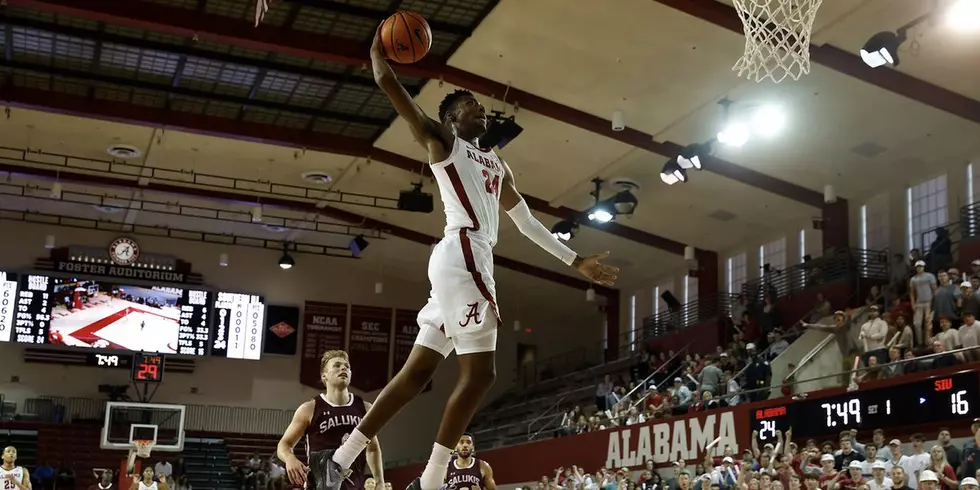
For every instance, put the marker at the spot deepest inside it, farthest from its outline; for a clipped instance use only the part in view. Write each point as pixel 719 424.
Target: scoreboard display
pixel 39 309
pixel 239 327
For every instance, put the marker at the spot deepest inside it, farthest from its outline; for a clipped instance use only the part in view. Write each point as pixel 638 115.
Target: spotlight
pixel 673 173
pixel 500 130
pixel 625 202
pixel 357 245
pixel 690 156
pixel 882 49
pixel 735 134
pixel 602 212
pixel 565 230
pixel 286 262
pixel 964 15
pixel 768 121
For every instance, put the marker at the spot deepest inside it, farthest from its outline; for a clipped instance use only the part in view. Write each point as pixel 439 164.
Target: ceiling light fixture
pixel 733 133
pixel 768 121
pixel 964 15
pixel 623 203
pixel 501 130
pixel 672 173
pixel 286 262
pixel 565 230
pixel 882 48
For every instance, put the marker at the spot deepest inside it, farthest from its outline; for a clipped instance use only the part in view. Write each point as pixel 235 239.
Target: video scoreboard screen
pixel 41 309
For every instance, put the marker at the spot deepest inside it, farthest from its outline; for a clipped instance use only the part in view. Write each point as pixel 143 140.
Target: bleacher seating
pixel 207 464
pixel 79 445
pixel 25 440
pixel 242 446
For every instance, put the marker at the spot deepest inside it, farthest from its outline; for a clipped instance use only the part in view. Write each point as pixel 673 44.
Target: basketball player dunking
pixel 466 472
pixel 327 421
pixel 144 481
pixel 13 477
pixel 462 310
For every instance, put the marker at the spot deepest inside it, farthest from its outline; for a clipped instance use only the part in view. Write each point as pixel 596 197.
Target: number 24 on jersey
pixel 492 183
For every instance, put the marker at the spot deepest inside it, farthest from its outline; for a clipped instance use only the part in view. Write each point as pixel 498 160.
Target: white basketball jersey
pixel 152 486
pixel 469 183
pixel 17 473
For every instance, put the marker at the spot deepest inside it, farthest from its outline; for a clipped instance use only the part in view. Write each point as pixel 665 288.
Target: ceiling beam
pixel 278 135
pixel 225 30
pixel 335 213
pixel 846 63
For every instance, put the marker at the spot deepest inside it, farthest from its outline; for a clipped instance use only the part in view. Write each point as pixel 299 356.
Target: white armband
pixel 533 229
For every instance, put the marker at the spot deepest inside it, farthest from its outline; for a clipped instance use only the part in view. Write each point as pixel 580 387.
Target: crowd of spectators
pixel 845 464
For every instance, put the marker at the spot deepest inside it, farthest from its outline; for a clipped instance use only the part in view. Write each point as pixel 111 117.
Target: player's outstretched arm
pixel 529 226
pixel 295 469
pixel 426 130
pixel 375 461
pixel 487 476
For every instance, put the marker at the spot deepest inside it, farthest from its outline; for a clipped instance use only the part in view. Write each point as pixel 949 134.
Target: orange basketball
pixel 406 37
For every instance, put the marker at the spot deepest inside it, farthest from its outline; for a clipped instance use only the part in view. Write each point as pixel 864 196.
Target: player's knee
pixel 480 374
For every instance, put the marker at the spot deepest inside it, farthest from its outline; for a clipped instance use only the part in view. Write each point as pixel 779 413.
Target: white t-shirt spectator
pixel 913 465
pixel 276 471
pixel 254 463
pixel 164 469
pixel 970 334
pixel 874 333
pixel 949 338
pixel 886 484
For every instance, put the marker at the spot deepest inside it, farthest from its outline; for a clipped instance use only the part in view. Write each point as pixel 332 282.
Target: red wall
pixel 663 440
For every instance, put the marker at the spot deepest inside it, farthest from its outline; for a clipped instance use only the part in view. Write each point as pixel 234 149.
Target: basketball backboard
pixel 126 422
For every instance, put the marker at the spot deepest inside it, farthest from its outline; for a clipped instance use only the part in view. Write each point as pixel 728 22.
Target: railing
pixel 834 267
pixel 970 220
pixel 201 418
pixel 530 426
pixel 954 234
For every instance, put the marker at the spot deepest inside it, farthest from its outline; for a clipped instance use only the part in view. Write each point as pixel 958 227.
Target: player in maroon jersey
pixel 326 421
pixel 466 472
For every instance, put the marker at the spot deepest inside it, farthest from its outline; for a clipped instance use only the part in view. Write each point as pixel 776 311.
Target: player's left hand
pixel 261 7
pixel 598 273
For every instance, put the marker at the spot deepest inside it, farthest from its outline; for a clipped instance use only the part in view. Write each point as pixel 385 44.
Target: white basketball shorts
pixel 462 310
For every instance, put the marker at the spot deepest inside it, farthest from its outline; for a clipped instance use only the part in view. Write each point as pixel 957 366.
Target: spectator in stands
pixel 928 480
pixel 900 307
pixel 105 481
pixel 969 483
pixel 944 440
pixel 969 302
pixel 758 374
pixel 894 368
pixel 732 389
pixel 711 376
pixel 922 290
pixel 852 478
pixel 180 483
pixel 164 470
pixel 942 359
pixel 941 467
pixel 682 393
pixel 947 296
pixel 873 336
pixel 970 456
pixel 847 453
pixel 970 336
pixel 878 479
pixel 43 476
pixel 64 476
pixel 821 309
pixel 777 345
pixel 769 316
pixel 604 398
pixel 899 478
pixel 917 461
pixel 874 298
pixel 874 372
pixel 276 475
pixel 901 335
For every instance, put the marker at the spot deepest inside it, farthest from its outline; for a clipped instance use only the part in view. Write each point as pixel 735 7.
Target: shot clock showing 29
pixel 946 398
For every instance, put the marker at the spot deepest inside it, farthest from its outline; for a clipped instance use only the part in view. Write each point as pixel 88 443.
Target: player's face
pixel 337 372
pixel 9 454
pixel 147 473
pixel 471 116
pixel 465 446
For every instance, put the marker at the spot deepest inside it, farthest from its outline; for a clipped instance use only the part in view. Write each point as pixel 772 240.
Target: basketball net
pixel 142 447
pixel 777 38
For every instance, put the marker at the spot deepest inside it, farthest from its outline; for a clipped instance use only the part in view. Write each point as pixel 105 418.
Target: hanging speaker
pixel 689 253
pixel 671 301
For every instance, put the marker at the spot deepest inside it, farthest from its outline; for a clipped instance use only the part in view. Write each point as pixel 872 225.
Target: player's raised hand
pixel 261 7
pixel 377 48
pixel 599 273
pixel 296 471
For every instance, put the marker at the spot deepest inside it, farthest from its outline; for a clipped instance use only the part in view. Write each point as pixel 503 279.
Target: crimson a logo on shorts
pixel 282 330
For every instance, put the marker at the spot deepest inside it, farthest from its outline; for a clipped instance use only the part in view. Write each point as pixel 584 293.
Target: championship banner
pixel 406 329
pixel 324 328
pixel 282 325
pixel 369 346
